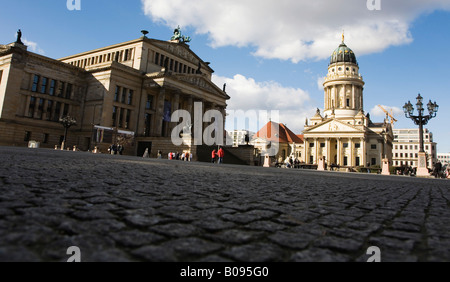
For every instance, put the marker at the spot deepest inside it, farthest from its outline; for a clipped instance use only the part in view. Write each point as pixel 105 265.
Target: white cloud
pixel 378 112
pixel 320 82
pixel 295 30
pixel 247 94
pixel 33 46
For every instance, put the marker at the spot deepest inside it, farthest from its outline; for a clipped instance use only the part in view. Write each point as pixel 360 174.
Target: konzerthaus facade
pixel 128 90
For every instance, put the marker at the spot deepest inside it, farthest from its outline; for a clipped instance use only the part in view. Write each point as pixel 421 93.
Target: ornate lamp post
pixel 67 122
pixel 421 120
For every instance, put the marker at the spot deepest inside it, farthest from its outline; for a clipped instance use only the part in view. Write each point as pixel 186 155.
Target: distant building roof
pixel 276 132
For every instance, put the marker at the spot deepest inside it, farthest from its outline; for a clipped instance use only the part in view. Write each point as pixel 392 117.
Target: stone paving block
pixel 191 247
pixel 340 244
pixel 175 230
pixel 319 255
pixel 255 252
pixel 154 254
pixel 234 236
pixel 135 238
pixel 247 217
pixel 292 240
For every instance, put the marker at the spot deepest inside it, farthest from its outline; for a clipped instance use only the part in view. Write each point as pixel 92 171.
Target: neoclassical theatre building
pixel 128 90
pixel 343 135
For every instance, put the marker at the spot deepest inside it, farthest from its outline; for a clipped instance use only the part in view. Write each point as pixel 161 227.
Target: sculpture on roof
pixel 178 37
pixel 19 37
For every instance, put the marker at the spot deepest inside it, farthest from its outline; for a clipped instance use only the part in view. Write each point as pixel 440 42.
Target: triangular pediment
pixel 180 50
pixel 333 126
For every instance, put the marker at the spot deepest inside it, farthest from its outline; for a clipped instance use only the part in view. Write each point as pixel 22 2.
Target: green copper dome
pixel 343 54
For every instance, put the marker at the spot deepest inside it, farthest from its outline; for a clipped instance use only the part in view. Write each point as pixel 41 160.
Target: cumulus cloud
pixel 377 111
pixel 295 30
pixel 320 82
pixel 246 94
pixel 33 46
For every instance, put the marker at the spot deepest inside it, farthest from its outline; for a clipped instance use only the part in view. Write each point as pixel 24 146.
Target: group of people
pixel 217 156
pixel 116 149
pixel 441 172
pixel 185 156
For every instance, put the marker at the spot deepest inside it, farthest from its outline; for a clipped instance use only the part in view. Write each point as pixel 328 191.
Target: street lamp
pixel 421 119
pixel 67 122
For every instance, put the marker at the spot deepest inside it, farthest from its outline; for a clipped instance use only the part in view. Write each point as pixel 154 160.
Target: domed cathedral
pixel 343 135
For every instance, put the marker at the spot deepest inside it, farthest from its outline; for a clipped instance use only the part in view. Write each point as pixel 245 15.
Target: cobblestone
pixel 129 209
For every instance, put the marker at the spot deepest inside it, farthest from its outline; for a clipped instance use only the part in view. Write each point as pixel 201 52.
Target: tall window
pixel 44 85
pixel 124 95
pixel 156 58
pixel 114 116
pixel 51 92
pixel 148 120
pixel 130 97
pixel 66 110
pixel 27 136
pixel 57 111
pixel 32 107
pixel 149 104
pixel 127 119
pixel 49 109
pixel 34 88
pixel 121 117
pixel 116 94
pixel 61 89
pixel 69 90
pixel 40 108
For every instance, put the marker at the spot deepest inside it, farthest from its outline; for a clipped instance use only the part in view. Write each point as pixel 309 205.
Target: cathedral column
pixel 335 97
pixel 339 151
pixel 353 97
pixel 316 146
pixel 306 155
pixel 352 156
pixel 363 152
pixel 328 144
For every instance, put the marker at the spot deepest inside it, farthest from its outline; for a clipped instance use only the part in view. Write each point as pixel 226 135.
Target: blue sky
pixel 272 54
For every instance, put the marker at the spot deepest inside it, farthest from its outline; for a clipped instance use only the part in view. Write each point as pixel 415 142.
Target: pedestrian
pixel 221 154
pixel 213 156
pixel 190 157
pixel 368 167
pixel 159 154
pixel 120 149
pixel 146 154
pixel 169 156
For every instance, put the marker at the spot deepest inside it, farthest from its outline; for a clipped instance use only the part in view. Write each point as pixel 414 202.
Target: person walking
pixel 221 154
pixel 213 156
pixel 159 154
pixel 146 154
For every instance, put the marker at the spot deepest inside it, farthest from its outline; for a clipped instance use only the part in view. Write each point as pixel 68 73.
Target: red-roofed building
pixel 290 144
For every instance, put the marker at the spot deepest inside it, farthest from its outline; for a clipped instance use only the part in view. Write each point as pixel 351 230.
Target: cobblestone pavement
pixel 118 208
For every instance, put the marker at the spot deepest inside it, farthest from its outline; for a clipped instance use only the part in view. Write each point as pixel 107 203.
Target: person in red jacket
pixel 213 156
pixel 221 154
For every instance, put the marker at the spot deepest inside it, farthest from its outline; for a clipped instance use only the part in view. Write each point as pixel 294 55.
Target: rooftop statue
pixel 177 36
pixel 19 37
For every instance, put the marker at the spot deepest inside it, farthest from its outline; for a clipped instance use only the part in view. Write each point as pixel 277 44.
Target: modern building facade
pixel 407 146
pixel 444 158
pixel 121 93
pixel 343 134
